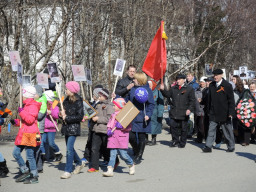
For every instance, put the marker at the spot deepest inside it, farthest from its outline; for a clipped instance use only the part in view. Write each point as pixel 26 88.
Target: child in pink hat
pixel 118 140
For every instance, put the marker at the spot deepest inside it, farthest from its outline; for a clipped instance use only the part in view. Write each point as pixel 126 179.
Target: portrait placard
pixel 15 59
pixel 243 72
pixel 89 111
pixel 53 72
pixel 42 80
pixel 26 80
pixel 19 74
pixel 208 69
pixel 78 72
pixel 119 67
pixel 88 76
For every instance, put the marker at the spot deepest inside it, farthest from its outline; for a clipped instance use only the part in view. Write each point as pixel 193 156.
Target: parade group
pixel 213 110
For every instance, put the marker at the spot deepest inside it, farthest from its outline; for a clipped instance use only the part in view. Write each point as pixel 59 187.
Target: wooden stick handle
pixel 20 102
pixel 58 90
pixel 54 123
pixel 113 130
pixel 82 88
pixel 114 87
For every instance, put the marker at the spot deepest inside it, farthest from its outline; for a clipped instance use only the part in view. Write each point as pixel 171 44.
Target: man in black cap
pixel 182 103
pixel 221 107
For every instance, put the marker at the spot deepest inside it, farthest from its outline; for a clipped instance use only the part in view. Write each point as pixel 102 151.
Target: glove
pixel 109 133
pixel 15 122
pixel 20 109
pixel 118 125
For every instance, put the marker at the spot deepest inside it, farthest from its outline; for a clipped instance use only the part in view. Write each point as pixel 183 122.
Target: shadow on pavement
pixel 246 155
pixel 167 143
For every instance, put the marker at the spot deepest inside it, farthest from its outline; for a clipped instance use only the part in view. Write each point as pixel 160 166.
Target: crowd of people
pixel 206 111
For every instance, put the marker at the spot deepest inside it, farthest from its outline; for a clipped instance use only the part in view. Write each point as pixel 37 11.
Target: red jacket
pixel 29 115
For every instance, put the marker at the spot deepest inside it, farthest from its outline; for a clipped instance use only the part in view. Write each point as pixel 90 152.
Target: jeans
pixel 30 157
pixel 123 154
pixel 50 136
pixel 71 154
pixel 1 157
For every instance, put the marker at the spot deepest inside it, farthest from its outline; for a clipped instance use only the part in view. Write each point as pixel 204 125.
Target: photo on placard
pixel 209 69
pixel 119 67
pixel 78 72
pixel 26 80
pixel 53 72
pixel 243 72
pixel 42 80
pixel 15 59
pixel 89 111
pixel 224 74
pixel 88 76
pixel 19 74
pixel 251 74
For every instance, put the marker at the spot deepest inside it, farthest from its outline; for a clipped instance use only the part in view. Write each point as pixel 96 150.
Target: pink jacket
pixel 49 126
pixel 120 138
pixel 29 115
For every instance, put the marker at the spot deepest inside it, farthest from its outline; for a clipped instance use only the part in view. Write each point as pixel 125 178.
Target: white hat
pixel 202 79
pixel 29 91
pixel 49 95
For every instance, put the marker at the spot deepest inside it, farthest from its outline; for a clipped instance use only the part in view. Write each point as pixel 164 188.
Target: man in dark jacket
pixel 124 85
pixel 221 110
pixel 182 103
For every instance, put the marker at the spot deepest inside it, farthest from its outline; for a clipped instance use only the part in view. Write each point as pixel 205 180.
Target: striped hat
pixel 119 102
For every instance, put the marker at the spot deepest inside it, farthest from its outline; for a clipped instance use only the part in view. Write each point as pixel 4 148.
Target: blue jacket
pixel 194 84
pixel 139 124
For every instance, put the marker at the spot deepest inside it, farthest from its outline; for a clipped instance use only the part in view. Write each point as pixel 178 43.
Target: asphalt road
pixel 163 169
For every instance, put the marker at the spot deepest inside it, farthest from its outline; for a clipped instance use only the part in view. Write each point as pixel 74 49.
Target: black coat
pixel 75 113
pixel 181 100
pixel 121 87
pixel 221 101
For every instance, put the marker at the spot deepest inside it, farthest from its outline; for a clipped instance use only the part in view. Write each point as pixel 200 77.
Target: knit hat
pixel 73 86
pixel 119 102
pixel 97 89
pixel 29 91
pixel 39 90
pixel 49 95
pixel 104 92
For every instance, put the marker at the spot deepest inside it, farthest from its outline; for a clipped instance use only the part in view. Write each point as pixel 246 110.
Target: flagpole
pixel 161 64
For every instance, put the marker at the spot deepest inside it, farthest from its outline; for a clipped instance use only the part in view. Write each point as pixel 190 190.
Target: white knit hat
pixel 29 91
pixel 49 95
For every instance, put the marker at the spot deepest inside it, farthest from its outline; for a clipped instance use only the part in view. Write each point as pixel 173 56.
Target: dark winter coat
pixel 75 114
pixel 121 87
pixel 139 124
pixel 181 100
pixel 221 101
pixel 157 117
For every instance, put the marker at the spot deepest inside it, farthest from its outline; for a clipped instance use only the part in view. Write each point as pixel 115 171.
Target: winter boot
pixel 131 169
pixel 23 176
pixel 3 169
pixel 31 180
pixel 109 173
pixel 137 159
pixel 58 157
pixel 153 142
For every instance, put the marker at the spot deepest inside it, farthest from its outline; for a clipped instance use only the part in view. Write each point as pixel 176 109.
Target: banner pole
pixel 114 87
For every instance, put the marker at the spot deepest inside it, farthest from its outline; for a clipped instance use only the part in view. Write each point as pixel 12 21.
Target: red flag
pixel 155 62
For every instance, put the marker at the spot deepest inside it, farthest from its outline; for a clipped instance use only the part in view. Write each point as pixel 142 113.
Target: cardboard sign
pixel 119 67
pixel 15 59
pixel 78 72
pixel 42 80
pixel 127 114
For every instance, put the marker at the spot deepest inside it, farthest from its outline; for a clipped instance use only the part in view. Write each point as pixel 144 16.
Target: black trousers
pixel 180 131
pixel 200 127
pixel 88 146
pixel 134 143
pixel 99 141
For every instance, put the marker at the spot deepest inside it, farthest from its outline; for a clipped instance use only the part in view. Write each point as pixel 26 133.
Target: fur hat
pixel 73 86
pixel 29 91
pixel 119 102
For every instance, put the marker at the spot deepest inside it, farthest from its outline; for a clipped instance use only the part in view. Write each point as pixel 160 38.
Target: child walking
pixel 72 116
pixel 26 138
pixel 118 140
pixel 49 128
